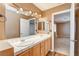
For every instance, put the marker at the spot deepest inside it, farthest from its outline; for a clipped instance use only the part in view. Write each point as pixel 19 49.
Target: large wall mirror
pixel 17 26
pixel 20 27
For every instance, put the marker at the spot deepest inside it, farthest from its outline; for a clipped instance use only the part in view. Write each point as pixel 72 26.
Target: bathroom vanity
pixel 34 45
pixel 40 49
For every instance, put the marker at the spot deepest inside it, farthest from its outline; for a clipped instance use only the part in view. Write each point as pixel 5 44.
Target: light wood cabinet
pixel 49 44
pixel 40 49
pixel 7 52
pixel 37 50
pixel 43 48
pixel 46 46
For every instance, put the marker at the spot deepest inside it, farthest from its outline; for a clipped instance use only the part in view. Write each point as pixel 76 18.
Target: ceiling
pixel 45 6
pixel 61 18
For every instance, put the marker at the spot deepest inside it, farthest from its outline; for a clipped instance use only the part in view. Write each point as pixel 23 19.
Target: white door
pixel 72 30
pixel 24 27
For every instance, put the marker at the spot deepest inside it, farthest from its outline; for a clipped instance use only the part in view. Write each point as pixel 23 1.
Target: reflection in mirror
pixel 39 25
pixel 15 26
pixel 27 27
pixel 43 26
pixel 20 28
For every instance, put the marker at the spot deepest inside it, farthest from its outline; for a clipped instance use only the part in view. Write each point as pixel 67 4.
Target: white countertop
pixel 4 45
pixel 20 46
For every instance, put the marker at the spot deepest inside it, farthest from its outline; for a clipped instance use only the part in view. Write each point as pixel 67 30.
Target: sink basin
pixel 23 44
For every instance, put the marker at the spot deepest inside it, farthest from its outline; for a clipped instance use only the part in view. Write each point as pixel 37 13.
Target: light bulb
pixel 21 9
pixel 30 12
pixel 35 13
pixel 40 15
pixel 17 12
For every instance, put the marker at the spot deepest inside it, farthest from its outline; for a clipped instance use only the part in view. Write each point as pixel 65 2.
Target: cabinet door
pixel 49 43
pixel 46 47
pixel 7 52
pixel 36 50
pixel 26 53
pixel 43 48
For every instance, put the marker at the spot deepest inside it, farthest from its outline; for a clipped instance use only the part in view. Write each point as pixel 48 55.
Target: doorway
pixel 62 33
pixel 62 38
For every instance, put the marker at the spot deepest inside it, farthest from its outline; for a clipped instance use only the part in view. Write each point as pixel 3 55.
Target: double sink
pixel 26 42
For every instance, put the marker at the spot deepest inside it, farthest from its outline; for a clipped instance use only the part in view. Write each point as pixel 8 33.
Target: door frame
pixel 72 36
pixel 72 31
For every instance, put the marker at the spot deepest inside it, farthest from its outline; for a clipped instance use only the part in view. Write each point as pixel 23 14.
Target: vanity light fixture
pixel 28 13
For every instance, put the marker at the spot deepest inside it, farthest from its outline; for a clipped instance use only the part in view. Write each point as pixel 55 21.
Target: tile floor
pixel 62 45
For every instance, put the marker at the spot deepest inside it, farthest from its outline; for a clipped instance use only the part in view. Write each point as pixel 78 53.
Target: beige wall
pixel 2 24
pixel 48 13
